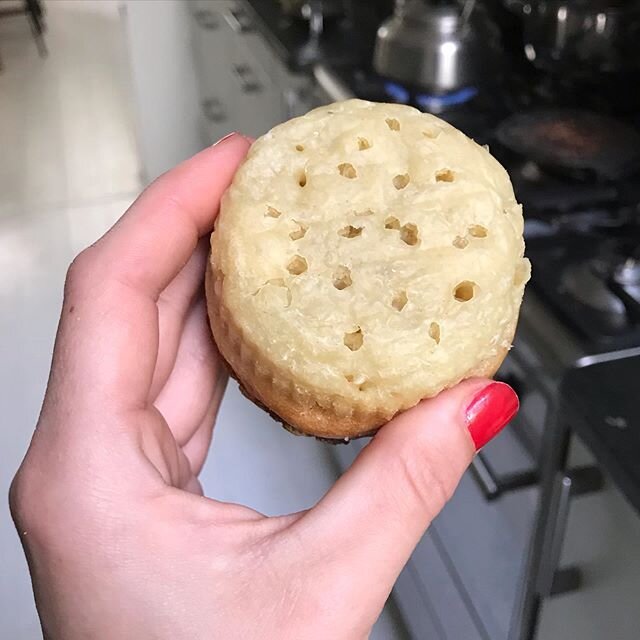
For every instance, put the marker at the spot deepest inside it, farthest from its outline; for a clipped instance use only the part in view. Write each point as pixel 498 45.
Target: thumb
pixel 379 509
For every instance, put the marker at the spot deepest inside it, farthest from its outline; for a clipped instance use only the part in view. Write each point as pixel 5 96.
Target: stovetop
pixel 582 232
pixel 474 111
pixel 592 282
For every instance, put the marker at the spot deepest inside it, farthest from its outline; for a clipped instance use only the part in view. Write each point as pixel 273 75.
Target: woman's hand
pixel 120 541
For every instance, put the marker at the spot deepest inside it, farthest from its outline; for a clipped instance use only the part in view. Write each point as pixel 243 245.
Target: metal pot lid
pixel 575 140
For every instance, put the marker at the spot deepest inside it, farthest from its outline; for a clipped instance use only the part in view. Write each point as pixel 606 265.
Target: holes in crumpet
pixel 392 223
pixel 302 179
pixel 431 133
pixel 272 212
pixel 434 332
pixel 399 300
pixel 409 234
pixel 299 147
pixel 401 181
pixel 297 265
pixel 464 291
pixel 353 340
pixel 393 124
pixel 299 232
pixel 359 380
pixel 347 170
pixel 342 278
pixel 365 212
pixel 445 175
pixel 363 144
pixel 350 231
pixel 460 243
pixel 478 231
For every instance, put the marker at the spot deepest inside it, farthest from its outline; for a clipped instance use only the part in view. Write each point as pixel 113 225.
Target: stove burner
pixel 432 103
pixel 628 273
pixel 592 281
pixel 397 92
pixel 472 110
pixel 438 103
pixel 587 285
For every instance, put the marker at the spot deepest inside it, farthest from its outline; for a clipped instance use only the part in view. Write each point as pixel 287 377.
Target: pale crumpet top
pixel 366 256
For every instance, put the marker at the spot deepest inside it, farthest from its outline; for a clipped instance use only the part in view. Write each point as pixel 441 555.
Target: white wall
pixel 163 83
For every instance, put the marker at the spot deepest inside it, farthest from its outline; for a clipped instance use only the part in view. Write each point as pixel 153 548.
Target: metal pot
pixel 439 46
pixel 581 37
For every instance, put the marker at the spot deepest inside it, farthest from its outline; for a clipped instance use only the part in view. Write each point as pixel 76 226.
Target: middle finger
pixel 174 304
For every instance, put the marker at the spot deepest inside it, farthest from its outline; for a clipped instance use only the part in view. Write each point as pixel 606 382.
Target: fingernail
pixel 229 135
pixel 490 411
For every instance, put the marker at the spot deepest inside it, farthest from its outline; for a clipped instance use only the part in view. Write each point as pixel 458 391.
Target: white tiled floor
pixel 68 168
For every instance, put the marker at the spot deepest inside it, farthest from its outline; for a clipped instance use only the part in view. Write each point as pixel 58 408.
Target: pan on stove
pixel 573 140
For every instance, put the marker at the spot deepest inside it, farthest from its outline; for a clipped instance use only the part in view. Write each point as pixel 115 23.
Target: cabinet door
pixel 259 106
pixel 252 69
pixel 212 45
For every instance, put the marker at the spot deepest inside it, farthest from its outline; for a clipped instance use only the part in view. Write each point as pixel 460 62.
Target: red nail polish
pixel 490 411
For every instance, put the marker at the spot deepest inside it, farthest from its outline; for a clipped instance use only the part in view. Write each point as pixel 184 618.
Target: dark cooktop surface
pixel 592 283
pixel 600 401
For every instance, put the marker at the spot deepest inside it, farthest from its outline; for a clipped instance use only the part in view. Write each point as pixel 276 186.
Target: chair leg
pixel 36 21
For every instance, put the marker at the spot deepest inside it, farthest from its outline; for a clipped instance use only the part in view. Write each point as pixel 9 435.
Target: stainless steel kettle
pixel 438 46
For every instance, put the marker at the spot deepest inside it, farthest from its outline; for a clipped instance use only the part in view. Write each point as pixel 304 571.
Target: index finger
pixel 107 343
pixel 149 245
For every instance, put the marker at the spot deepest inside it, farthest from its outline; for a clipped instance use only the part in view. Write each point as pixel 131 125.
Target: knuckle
pixel 21 500
pixel 81 265
pixel 38 506
pixel 15 505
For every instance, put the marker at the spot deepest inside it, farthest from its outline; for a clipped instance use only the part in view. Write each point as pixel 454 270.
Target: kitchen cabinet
pixel 243 85
pixel 212 55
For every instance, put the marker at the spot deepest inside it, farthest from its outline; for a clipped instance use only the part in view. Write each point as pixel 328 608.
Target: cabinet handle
pixel 213 110
pixel 290 100
pixel 247 78
pixel 296 100
pixel 238 19
pixel 206 19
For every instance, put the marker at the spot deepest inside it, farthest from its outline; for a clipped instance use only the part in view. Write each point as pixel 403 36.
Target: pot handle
pixel 467 10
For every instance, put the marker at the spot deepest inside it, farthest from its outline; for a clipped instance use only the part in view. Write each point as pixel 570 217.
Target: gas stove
pixel 582 232
pixel 582 227
pixel 473 110
pixel 591 282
